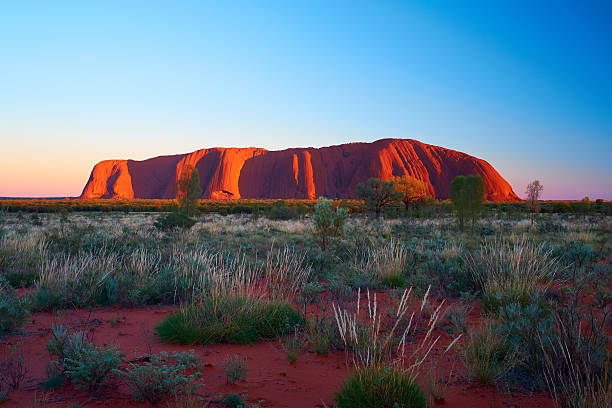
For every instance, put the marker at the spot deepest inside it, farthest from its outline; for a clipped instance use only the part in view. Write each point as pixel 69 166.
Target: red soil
pixel 309 382
pixel 233 173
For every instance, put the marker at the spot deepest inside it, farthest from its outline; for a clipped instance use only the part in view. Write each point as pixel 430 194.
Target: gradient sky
pixel 526 86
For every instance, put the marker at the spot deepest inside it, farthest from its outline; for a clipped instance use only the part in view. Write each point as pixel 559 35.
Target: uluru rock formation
pixel 334 171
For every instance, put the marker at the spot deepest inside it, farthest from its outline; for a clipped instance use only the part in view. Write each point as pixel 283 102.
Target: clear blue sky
pixel 524 85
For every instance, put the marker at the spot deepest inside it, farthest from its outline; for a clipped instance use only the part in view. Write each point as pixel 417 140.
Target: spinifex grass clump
pixel 236 320
pixel 234 302
pixel 385 265
pixel 577 361
pixel 489 355
pixel 20 255
pixel 13 308
pixel 235 369
pixel 321 334
pixel 380 387
pixel 513 271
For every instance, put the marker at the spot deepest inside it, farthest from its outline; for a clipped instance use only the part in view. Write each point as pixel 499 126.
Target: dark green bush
pixel 310 292
pixel 341 291
pixel 163 375
pixel 526 327
pixel 489 355
pixel 322 334
pixel 13 308
pixel 281 211
pixel 236 320
pixel 233 400
pixel 89 366
pixel 20 268
pixel 174 220
pixel 376 387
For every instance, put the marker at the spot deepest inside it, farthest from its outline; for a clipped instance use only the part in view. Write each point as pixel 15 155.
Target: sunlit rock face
pixel 334 171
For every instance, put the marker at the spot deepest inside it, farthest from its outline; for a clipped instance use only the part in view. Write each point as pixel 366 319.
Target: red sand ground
pixel 309 382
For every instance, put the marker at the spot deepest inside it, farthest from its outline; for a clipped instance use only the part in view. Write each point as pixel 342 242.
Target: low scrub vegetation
pixel 376 387
pixel 519 302
pixel 235 369
pixel 489 356
pixel 162 375
pixel 236 320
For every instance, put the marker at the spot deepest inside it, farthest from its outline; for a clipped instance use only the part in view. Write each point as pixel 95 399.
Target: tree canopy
pixel 377 194
pixel 413 190
pixel 467 194
pixel 189 190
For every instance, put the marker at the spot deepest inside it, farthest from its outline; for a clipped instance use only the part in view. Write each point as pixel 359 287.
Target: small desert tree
pixel 189 190
pixel 377 194
pixel 584 206
pixel 475 190
pixel 467 194
pixel 328 223
pixel 458 198
pixel 533 193
pixel 413 190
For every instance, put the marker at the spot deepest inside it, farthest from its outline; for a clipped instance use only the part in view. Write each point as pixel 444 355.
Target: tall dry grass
pixel 211 274
pixel 513 269
pixel 362 332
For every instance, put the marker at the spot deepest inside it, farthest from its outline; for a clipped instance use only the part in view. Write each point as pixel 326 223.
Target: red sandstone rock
pixel 334 171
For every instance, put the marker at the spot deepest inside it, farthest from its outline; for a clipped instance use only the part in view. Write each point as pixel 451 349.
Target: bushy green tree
pixel 328 222
pixel 458 198
pixel 475 191
pixel 377 194
pixel 189 190
pixel 467 195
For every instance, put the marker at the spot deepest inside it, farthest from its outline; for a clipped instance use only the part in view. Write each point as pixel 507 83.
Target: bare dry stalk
pixel 375 347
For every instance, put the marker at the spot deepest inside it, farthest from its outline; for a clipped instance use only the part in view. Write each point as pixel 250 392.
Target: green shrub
pixel 281 211
pixel 64 343
pixel 164 374
pixel 489 355
pixel 233 400
pixel 235 369
pixel 514 271
pixel 13 308
pixel 293 348
pixel 455 319
pixel 377 387
pixel 310 292
pixel 525 328
pixel 322 334
pixel 174 220
pixel 328 223
pixel 12 367
pixel 341 291
pixel 89 366
pixel 236 320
